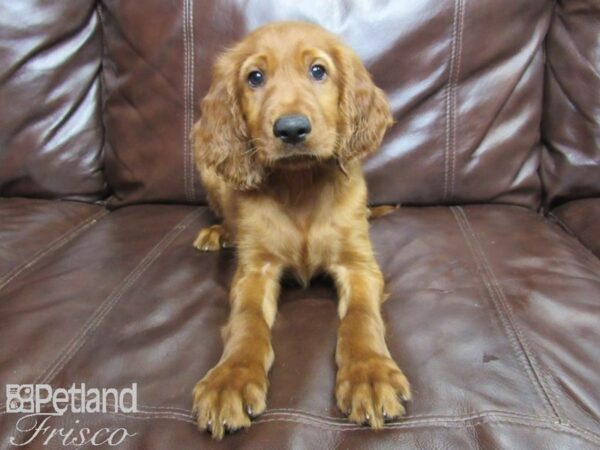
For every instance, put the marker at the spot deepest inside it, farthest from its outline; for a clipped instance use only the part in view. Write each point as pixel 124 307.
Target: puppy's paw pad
pixel 371 391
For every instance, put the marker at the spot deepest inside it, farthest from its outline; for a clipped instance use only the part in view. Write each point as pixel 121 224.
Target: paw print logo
pixel 19 398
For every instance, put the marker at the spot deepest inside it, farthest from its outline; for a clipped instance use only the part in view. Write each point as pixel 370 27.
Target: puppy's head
pixel 288 96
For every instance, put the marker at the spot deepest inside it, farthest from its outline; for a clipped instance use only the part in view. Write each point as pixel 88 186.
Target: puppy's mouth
pixel 296 160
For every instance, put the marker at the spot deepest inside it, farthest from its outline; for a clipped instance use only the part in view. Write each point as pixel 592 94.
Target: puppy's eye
pixel 318 72
pixel 256 78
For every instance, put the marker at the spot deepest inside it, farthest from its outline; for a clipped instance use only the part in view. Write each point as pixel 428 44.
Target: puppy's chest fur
pixel 303 222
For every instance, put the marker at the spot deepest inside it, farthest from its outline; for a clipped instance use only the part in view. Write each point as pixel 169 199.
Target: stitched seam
pixel 454 96
pixel 55 245
pixel 292 412
pixel 328 419
pixel 427 421
pixel 492 295
pixel 450 98
pixel 191 163
pixel 109 303
pixel 483 417
pixel 447 101
pixel 457 422
pixel 344 423
pixel 185 99
pixel 504 311
pixel 581 433
pixel 188 86
pixel 544 378
pixel 103 96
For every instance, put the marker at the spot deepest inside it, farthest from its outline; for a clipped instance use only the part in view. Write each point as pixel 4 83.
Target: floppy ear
pixel 365 111
pixel 220 136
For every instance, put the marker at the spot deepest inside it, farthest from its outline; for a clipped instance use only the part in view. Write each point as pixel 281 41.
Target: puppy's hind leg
pixel 212 238
pixel 374 212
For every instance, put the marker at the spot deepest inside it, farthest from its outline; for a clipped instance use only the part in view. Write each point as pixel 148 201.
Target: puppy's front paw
pixel 371 391
pixel 212 238
pixel 228 397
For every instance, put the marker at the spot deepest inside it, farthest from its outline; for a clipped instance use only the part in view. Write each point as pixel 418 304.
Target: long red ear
pixel 365 111
pixel 220 136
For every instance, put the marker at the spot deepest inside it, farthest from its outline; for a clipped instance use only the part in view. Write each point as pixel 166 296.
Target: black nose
pixel 292 129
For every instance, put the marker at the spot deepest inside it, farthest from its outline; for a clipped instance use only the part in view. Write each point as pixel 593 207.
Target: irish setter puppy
pixel 290 113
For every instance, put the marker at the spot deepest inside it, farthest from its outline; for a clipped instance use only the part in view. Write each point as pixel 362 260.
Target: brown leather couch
pixel 491 264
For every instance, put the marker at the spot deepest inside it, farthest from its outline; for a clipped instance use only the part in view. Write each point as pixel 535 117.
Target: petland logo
pixel 40 402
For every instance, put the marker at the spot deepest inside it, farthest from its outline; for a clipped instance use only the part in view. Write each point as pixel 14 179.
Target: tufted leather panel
pixel 571 122
pixel 50 123
pixel 466 93
pixel 582 219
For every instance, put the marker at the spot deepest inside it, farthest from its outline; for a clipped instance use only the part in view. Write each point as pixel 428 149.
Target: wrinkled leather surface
pixel 32 229
pixel 571 123
pixel 50 123
pixel 493 315
pixel 582 219
pixel 466 94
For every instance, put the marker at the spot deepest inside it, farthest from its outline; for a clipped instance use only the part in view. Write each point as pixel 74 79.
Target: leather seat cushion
pixel 492 314
pixel 31 229
pixel 582 218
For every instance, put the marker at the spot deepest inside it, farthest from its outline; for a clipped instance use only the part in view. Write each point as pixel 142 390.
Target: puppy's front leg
pixel 369 384
pixel 235 389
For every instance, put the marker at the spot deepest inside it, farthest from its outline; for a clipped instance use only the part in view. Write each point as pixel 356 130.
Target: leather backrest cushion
pixel 50 120
pixel 465 80
pixel 571 123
